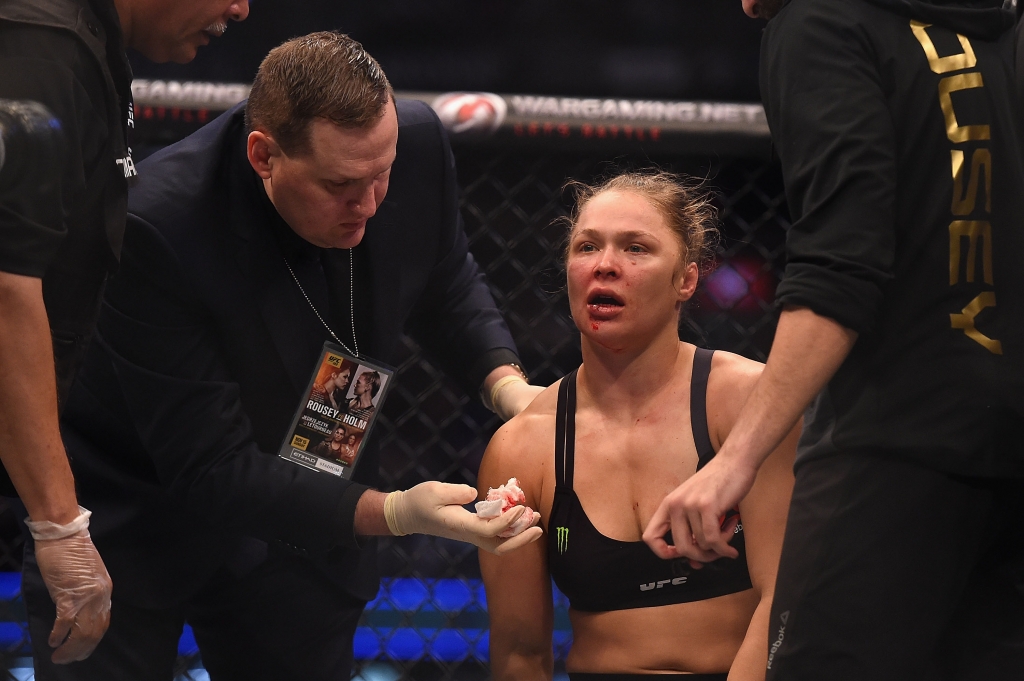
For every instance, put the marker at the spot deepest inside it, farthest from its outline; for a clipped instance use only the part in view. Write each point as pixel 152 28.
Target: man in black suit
pixel 249 245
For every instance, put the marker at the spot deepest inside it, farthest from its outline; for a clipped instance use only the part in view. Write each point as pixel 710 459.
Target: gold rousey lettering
pixel 972 230
pixel 954 131
pixel 981 160
pixel 965 202
pixel 954 62
pixel 965 321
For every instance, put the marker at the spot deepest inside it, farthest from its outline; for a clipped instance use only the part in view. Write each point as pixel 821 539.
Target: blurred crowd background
pixel 666 49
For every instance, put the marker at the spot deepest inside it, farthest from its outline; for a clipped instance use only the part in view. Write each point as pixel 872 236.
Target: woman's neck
pixel 620 381
pixel 363 401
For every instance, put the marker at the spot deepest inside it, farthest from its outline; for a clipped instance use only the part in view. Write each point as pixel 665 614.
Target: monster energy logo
pixel 563 539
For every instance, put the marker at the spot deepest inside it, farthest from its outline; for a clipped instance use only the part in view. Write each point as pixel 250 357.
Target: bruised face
pixel 327 192
pixel 626 270
pixel 172 30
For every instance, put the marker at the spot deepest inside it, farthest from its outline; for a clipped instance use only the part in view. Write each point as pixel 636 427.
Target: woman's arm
pixel 763 512
pixel 518 585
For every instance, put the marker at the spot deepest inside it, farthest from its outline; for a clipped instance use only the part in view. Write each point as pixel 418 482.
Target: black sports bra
pixel 598 573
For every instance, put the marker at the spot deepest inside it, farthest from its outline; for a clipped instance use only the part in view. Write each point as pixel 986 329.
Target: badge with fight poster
pixel 333 422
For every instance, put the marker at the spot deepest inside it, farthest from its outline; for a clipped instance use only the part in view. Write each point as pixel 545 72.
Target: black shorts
pixel 893 571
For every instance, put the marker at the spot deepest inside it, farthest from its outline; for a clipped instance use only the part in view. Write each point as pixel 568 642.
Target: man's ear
pixel 263 152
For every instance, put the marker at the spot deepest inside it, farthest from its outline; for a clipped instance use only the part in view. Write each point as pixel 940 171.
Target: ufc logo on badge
pixel 127 165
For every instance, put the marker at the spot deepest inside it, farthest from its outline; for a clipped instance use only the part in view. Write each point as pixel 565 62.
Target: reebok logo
pixel 563 539
pixel 778 640
pixel 127 165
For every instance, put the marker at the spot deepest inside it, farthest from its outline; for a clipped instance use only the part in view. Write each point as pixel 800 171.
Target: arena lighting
pixel 584 123
pixel 411 619
pixel 744 283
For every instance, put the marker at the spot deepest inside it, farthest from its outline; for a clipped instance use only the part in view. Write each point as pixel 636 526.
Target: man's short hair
pixel 321 75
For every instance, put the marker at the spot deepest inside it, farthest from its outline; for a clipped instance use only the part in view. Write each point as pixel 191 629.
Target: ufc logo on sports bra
pixel 663 582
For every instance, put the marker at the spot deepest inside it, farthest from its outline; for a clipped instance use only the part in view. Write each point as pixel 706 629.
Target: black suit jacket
pixel 205 346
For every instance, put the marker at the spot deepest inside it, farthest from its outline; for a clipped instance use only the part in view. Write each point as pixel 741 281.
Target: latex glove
pixel 436 508
pixel 78 583
pixel 511 395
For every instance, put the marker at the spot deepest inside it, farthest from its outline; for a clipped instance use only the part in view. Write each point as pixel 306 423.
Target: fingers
pixel 449 494
pixel 80 644
pixel 76 647
pixel 520 540
pixel 462 525
pixel 654 533
pixel 75 637
pixel 61 629
pixel 496 526
pixel 686 544
pixel 711 538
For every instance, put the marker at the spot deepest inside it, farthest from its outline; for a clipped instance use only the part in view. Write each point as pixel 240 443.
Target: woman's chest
pixel 622 473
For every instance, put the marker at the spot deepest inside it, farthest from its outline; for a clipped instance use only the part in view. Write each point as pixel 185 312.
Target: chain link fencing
pixel 429 621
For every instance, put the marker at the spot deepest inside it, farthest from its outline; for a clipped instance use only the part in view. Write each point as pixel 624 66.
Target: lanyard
pixel 351 303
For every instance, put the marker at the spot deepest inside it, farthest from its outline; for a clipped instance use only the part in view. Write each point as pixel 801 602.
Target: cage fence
pixel 429 620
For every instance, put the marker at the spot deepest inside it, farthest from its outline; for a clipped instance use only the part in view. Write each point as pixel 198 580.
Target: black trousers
pixel 893 571
pixel 281 621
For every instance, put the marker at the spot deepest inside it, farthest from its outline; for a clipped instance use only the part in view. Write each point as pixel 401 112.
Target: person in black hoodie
pixel 57 249
pixel 897 126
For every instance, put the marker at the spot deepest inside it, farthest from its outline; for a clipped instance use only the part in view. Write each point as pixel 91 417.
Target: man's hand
pixel 506 392
pixel 79 585
pixel 514 396
pixel 33 455
pixel 695 511
pixel 435 508
pixel 806 352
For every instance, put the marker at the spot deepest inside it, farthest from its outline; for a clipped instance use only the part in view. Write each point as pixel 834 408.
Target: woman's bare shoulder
pixel 732 379
pixel 523 446
pixel 735 372
pixel 520 435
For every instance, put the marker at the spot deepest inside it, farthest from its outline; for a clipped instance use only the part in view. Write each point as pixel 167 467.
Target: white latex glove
pixel 436 508
pixel 78 583
pixel 511 395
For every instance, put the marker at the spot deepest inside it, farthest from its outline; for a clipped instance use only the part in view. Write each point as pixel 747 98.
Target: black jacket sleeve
pixel 834 135
pixel 188 415
pixel 45 66
pixel 456 319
